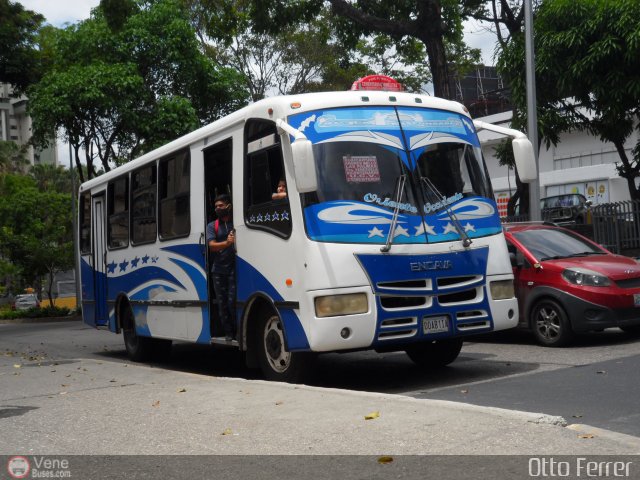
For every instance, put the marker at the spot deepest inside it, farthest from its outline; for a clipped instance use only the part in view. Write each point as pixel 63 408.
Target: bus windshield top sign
pixel 377 82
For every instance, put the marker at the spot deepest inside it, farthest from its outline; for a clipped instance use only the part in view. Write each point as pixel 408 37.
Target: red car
pixel 567 284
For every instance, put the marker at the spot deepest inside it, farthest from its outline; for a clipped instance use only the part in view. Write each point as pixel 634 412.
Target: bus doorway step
pixel 224 341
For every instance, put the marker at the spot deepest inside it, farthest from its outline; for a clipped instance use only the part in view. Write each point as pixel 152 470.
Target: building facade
pixel 15 126
pixel 580 163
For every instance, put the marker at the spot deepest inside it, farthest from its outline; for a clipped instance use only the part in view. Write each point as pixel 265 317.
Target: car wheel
pixel 139 349
pixel 276 362
pixel 633 330
pixel 435 354
pixel 550 324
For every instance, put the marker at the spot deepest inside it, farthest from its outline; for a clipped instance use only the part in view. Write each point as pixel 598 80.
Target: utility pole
pixel 532 112
pixel 74 226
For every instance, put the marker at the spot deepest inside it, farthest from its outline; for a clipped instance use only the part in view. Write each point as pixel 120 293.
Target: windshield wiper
pixel 584 254
pixel 466 241
pixel 400 183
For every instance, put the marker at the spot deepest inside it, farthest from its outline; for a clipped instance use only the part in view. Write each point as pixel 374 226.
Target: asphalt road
pixel 595 382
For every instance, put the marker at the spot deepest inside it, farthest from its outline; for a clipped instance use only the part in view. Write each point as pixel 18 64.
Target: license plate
pixel 636 299
pixel 435 324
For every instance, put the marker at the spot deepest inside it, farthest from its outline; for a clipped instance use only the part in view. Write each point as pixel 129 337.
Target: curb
pixel 72 318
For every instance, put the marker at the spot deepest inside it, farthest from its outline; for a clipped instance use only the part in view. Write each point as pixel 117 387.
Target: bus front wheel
pixel 139 349
pixel 276 362
pixel 435 354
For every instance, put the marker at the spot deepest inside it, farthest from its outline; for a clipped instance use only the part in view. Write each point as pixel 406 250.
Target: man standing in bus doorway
pixel 221 240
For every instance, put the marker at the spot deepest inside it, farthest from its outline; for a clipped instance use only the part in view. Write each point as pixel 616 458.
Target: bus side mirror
pixel 304 165
pixel 525 159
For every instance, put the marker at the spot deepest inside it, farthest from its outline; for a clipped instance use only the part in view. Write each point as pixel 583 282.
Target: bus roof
pixel 280 107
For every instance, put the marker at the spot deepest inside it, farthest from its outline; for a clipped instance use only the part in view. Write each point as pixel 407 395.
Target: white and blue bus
pixel 389 238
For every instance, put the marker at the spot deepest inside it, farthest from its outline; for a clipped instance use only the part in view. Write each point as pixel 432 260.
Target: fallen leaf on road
pixel 586 435
pixel 464 391
pixel 156 403
pixel 601 371
pixel 112 381
pixel 182 390
pixel 279 403
pixel 68 375
pixel 384 460
pixel 576 416
pixel 53 371
pixel 64 385
pixel 63 393
pixel 372 415
pixel 16 365
pixel 227 431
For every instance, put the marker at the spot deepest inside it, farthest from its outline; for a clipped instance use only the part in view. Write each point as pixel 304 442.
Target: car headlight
pixel 502 289
pixel 583 276
pixel 334 305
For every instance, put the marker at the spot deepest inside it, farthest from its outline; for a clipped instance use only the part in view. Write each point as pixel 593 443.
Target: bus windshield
pixel 360 155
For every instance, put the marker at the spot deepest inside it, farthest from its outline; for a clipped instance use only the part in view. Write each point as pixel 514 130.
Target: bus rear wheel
pixel 276 362
pixel 435 354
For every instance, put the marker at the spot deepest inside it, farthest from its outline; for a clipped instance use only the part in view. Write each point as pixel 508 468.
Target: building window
pixel 143 205
pixel 118 211
pixel 174 193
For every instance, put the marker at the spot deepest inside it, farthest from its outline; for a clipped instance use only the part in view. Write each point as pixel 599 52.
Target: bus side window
pixel 264 167
pixel 85 223
pixel 118 211
pixel 174 191
pixel 143 205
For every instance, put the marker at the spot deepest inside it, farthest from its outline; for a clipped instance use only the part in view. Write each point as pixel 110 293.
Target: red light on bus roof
pixel 377 82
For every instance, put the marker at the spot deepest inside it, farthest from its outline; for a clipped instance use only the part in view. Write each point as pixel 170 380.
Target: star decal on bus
pixel 469 228
pixel 123 265
pixel 285 215
pixel 134 262
pixel 154 259
pixel 145 259
pixel 424 227
pixel 376 232
pixel 400 230
pixel 449 228
pixel 111 268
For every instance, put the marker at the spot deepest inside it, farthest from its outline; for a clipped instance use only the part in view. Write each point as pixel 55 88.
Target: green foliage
pixel 128 79
pixel 13 157
pixel 45 312
pixel 35 229
pixel 20 59
pixel 377 36
pixel 587 72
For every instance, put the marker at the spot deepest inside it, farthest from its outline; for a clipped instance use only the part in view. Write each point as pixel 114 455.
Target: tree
pixel 35 230
pixel 121 85
pixel 428 29
pixel 19 56
pixel 13 157
pixel 587 74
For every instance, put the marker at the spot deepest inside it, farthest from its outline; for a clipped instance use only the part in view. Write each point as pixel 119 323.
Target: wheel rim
pixel 274 346
pixel 548 323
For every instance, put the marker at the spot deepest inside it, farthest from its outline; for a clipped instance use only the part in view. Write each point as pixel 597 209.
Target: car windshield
pixel 551 243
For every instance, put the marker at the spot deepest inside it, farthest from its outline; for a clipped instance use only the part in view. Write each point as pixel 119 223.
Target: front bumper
pixel 586 316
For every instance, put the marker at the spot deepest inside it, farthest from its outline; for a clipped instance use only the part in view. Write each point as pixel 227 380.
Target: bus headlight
pixel 502 289
pixel 334 305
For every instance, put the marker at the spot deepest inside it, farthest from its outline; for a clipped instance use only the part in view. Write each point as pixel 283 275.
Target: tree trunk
pixel 627 171
pixel 438 66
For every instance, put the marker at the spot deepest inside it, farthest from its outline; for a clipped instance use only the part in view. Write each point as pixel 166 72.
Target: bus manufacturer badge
pixel 431 265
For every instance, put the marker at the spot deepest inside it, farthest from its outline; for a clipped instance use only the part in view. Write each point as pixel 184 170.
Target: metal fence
pixel 616 225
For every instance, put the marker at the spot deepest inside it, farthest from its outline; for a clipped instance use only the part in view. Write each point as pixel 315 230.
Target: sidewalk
pixel 101 407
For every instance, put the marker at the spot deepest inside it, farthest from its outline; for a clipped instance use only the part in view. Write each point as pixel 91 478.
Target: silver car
pixel 27 301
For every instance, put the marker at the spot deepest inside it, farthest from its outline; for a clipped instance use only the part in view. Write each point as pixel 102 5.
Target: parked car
pixel 567 209
pixel 26 301
pixel 567 284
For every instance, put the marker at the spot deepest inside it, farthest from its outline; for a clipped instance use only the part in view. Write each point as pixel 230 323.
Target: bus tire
pixel 435 354
pixel 276 362
pixel 139 349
